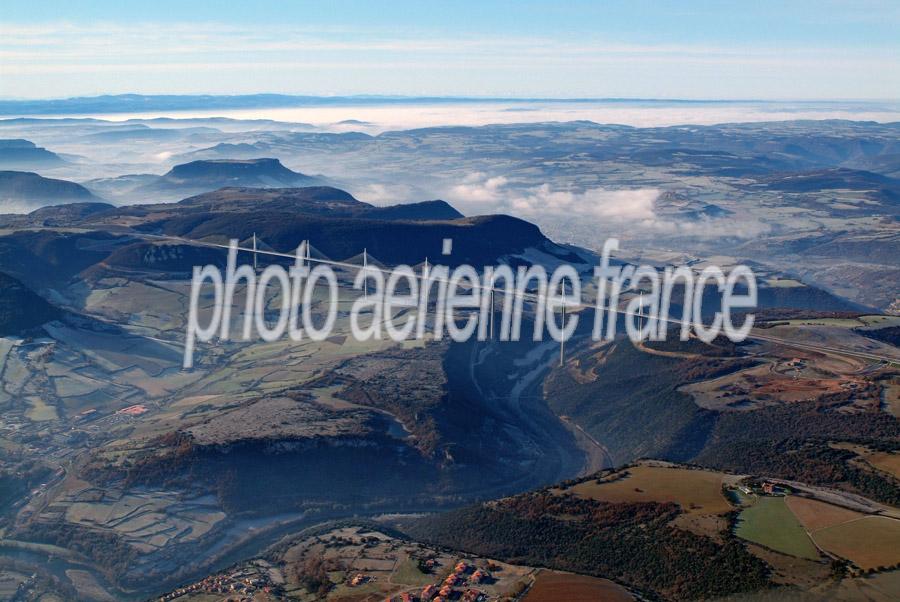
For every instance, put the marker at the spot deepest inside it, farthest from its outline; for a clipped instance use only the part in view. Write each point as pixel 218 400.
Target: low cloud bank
pixel 632 208
pixel 480 194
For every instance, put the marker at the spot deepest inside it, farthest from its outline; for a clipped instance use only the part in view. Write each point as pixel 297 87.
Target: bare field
pixel 9 583
pixel 764 385
pixel 40 411
pixel 793 374
pixel 837 335
pixel 550 586
pixel 709 525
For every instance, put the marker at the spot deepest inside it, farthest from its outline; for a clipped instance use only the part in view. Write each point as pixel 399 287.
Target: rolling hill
pixel 21 309
pixel 21 192
pixel 199 177
pixel 206 175
pixel 25 155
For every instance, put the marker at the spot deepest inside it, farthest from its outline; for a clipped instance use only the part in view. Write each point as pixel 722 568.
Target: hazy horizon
pixel 374 115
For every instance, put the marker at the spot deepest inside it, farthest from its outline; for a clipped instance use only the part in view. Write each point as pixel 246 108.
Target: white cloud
pixel 600 203
pixel 383 194
pixel 479 193
pixel 630 211
pixel 17 206
pixel 477 188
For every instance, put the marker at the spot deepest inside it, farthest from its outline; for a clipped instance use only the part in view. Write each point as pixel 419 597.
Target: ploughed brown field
pixel 550 586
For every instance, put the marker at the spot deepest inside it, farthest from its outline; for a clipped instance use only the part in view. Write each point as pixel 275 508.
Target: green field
pixel 875 322
pixel 770 523
pixel 408 573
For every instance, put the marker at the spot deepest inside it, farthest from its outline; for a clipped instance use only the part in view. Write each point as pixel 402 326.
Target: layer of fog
pixel 570 215
pixel 377 118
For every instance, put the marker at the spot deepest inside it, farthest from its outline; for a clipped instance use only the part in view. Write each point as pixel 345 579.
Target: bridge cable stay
pixel 529 296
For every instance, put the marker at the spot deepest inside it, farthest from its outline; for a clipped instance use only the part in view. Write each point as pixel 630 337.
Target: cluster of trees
pixel 805 420
pixel 165 461
pixel 632 543
pixel 721 346
pixel 890 335
pixel 16 480
pixel 44 582
pixel 312 573
pixel 806 460
pixel 389 389
pixel 263 476
pixel 793 442
pixel 111 554
pixel 765 316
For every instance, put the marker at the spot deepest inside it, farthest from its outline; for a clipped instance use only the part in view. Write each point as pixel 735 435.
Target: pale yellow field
pixel 886 461
pixel 815 515
pixel 783 282
pixel 40 411
pixel 869 542
pixel 696 491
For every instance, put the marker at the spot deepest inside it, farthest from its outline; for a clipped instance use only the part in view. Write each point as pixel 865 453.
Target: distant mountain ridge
pixel 134 103
pixel 205 175
pixel 24 154
pixel 264 172
pixel 336 223
pixel 319 200
pixel 23 191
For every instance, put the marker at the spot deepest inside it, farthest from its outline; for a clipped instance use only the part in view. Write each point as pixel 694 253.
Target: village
pixel 458 585
pixel 360 565
pixel 240 585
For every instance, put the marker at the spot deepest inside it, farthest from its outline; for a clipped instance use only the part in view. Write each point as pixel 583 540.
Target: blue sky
pixel 782 50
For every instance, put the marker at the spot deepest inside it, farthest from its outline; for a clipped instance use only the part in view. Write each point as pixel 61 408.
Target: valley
pixel 288 469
